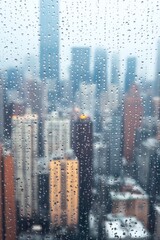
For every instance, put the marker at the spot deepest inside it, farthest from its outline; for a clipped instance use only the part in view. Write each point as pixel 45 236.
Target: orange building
pixel 133 112
pixel 64 192
pixel 7 197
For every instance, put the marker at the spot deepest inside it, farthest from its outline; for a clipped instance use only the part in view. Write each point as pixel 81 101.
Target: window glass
pixel 79 119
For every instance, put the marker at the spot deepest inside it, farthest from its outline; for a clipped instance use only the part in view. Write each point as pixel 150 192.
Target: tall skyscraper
pixel 130 72
pixel 49 40
pixel 13 78
pixel 157 76
pixel 7 197
pixel 115 140
pixel 80 68
pixel 1 109
pixel 57 135
pixel 82 143
pixel 25 149
pixel 115 70
pixel 64 192
pixel 133 113
pixel 100 70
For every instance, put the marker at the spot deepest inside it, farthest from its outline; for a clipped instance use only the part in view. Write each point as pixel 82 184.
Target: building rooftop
pixel 118 226
pixel 134 228
pixel 127 196
pixel 115 230
pixel 151 143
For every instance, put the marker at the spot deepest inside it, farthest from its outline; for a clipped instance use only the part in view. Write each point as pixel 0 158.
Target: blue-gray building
pixel 100 70
pixel 116 127
pixel 80 67
pixel 157 76
pixel 49 40
pixel 130 72
pixel 115 69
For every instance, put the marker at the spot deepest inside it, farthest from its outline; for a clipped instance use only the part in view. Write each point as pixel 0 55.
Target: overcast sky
pixel 124 26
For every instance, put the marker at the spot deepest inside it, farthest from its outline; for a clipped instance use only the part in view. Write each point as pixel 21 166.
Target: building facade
pixel 133 113
pixel 82 144
pixel 57 135
pixel 64 193
pixel 80 68
pixel 25 149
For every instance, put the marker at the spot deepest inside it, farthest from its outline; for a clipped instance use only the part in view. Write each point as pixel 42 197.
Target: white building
pixel 57 133
pixel 25 149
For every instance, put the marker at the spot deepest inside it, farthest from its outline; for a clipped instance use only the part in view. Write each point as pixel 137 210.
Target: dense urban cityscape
pixel 79 158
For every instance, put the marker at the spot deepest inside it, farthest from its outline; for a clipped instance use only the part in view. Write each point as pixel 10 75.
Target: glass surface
pixel 80 119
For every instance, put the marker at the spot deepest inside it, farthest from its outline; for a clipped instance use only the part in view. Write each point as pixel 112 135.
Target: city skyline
pixel 126 34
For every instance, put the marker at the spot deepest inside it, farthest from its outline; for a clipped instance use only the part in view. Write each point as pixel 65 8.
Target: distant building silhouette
pixel 49 43
pixel 12 78
pixel 130 73
pixel 133 113
pixel 115 142
pixel 1 109
pixel 156 88
pixel 80 68
pixel 100 70
pixel 115 69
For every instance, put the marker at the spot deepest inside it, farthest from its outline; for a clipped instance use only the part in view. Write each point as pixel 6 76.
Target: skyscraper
pixel 1 109
pixel 157 76
pixel 130 73
pixel 100 70
pixel 25 149
pixel 115 70
pixel 7 197
pixel 57 133
pixel 80 68
pixel 133 113
pixel 49 40
pixel 115 141
pixel 64 192
pixel 82 143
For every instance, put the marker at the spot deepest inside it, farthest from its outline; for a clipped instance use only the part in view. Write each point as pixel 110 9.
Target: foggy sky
pixel 124 26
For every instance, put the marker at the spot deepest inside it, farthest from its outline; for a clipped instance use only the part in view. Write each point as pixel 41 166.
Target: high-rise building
pixel 133 113
pixel 1 108
pixel 87 99
pixel 157 76
pixel 82 144
pixel 57 135
pixel 80 68
pixel 115 143
pixel 13 78
pixel 49 40
pixel 130 73
pixel 64 192
pixel 100 70
pixel 7 197
pixel 43 193
pixel 115 70
pixel 25 149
